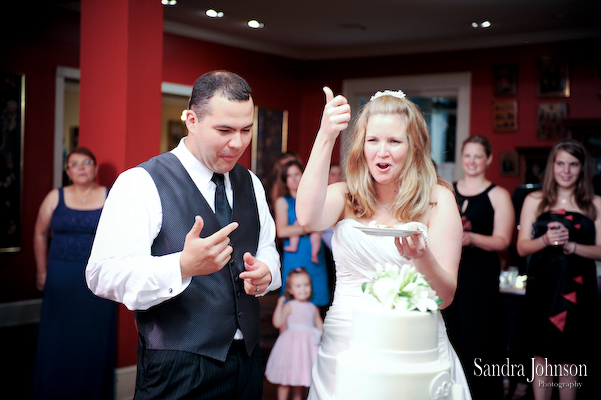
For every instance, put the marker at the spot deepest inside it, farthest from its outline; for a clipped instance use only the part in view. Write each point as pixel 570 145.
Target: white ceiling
pixel 328 29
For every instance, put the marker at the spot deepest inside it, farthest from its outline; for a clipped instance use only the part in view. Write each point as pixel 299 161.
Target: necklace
pixel 85 197
pixel 386 208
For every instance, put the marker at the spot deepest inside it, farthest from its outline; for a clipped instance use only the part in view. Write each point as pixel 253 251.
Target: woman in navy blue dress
pixel 75 356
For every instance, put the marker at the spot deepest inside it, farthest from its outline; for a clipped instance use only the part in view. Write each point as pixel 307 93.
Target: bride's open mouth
pixel 383 167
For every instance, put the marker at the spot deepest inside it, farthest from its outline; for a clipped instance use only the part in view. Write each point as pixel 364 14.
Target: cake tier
pixel 358 379
pixel 391 331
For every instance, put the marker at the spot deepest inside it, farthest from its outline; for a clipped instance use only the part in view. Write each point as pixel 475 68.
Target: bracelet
pixel 570 252
pixel 41 275
pixel 544 241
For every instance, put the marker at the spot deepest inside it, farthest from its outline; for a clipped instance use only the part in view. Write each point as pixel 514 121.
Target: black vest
pixel 203 318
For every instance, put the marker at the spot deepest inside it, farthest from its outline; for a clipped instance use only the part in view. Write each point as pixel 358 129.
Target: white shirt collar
pixel 199 172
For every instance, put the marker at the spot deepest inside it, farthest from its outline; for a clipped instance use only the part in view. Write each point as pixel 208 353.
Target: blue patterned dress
pixel 75 357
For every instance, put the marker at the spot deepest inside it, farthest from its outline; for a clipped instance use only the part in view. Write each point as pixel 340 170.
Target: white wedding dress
pixel 356 255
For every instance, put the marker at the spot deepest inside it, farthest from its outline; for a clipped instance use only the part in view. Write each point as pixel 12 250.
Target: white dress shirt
pixel 121 267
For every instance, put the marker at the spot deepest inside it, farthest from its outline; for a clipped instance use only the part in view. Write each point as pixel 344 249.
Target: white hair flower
pixel 398 94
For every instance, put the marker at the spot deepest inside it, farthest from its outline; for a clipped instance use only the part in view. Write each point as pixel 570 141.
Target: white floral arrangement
pixel 402 289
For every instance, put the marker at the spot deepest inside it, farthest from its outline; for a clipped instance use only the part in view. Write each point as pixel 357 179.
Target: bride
pixel 391 179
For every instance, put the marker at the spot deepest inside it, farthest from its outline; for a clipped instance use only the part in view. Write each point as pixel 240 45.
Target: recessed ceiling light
pixel 253 23
pixel 474 25
pixel 168 2
pixel 485 24
pixel 214 14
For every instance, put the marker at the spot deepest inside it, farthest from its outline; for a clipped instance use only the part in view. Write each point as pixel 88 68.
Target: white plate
pixel 386 231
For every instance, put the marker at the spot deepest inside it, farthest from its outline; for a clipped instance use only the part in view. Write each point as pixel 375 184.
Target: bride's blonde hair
pixel 416 181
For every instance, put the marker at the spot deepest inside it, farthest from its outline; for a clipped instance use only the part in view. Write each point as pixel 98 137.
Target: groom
pixel 194 290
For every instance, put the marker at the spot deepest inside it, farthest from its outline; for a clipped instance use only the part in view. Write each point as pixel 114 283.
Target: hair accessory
pixel 299 269
pixel 398 94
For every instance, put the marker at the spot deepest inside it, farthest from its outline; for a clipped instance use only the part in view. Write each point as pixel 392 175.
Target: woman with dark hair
pixel 308 253
pixel 558 231
pixel 488 223
pixel 76 339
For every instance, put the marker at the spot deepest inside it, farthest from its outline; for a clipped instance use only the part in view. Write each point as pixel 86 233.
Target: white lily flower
pixel 403 289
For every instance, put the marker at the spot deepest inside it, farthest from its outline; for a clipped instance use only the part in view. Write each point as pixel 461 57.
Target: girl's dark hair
pixel 480 140
pixel 291 274
pixel 583 192
pixel 283 187
pixel 81 150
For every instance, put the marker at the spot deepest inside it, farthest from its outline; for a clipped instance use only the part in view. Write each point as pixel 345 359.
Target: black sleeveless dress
pixel 475 321
pixel 561 294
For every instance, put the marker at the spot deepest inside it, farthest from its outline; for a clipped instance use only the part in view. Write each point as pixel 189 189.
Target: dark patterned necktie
pixel 223 212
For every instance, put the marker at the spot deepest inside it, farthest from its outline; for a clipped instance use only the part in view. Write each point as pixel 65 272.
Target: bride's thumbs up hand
pixel 336 114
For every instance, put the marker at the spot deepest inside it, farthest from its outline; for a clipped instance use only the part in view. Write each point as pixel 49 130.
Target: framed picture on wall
pixel 176 130
pixel 553 77
pixel 510 162
pixel 12 111
pixel 550 118
pixel 270 139
pixel 505 79
pixel 505 116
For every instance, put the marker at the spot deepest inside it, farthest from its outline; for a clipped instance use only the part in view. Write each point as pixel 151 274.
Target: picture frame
pixel 509 162
pixel 12 118
pixel 549 121
pixel 270 139
pixel 505 79
pixel 176 130
pixel 553 77
pixel 505 116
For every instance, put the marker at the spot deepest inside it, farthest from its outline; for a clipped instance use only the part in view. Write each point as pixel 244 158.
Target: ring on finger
pixel 257 288
pixel 556 243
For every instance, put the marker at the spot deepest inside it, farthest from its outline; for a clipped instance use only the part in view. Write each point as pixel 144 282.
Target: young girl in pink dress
pixel 295 350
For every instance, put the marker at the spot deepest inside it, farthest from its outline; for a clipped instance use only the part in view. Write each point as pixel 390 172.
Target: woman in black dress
pixel 474 319
pixel 559 225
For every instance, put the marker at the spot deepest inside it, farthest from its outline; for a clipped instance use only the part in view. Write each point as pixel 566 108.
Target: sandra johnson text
pixel 548 369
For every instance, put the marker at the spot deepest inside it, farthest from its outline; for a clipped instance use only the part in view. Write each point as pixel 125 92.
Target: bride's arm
pixel 317 205
pixel 439 262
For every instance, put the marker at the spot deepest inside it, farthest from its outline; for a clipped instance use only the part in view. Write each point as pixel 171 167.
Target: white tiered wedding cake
pixel 394 343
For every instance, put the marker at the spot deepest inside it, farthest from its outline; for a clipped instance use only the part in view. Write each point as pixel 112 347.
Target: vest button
pixel 239 313
pixel 239 293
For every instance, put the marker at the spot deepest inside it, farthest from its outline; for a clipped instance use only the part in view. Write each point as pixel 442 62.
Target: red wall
pixel 42 46
pixel 278 83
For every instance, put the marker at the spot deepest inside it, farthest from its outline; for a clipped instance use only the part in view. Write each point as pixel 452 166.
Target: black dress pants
pixel 171 374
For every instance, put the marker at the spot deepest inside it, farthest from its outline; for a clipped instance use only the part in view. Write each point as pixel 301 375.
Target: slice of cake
pixel 394 343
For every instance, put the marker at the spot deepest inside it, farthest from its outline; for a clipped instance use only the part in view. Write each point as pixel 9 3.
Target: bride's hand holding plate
pixel 411 247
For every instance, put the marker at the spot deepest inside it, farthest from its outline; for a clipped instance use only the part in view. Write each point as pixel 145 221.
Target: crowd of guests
pixel 192 201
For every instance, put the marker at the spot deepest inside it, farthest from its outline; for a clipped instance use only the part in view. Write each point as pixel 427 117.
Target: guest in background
pixel 76 339
pixel 286 227
pixel 274 185
pixel 488 222
pixel 292 357
pixel 334 176
pixel 558 230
